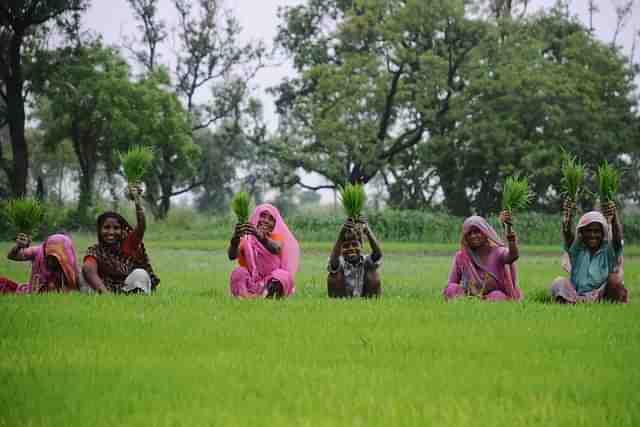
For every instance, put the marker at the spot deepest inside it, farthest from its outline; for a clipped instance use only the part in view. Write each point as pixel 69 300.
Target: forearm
pixel 140 218
pixel 513 253
pixel 234 248
pixel 376 252
pixel 93 279
pixel 616 231
pixel 272 245
pixel 334 258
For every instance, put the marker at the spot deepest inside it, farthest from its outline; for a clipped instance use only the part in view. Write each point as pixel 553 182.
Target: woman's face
pixel 111 231
pixel 592 235
pixel 266 222
pixel 475 238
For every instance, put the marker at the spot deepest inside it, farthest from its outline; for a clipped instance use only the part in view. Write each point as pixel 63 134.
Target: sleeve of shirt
pixel 370 264
pixel 337 270
pixel 30 252
pixel 131 245
pixel 90 257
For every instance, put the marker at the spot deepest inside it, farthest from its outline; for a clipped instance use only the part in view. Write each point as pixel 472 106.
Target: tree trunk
pixel 16 118
pixel 86 149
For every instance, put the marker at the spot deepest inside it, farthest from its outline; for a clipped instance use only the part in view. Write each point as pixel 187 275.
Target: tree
pixel 19 19
pixel 209 57
pixel 375 78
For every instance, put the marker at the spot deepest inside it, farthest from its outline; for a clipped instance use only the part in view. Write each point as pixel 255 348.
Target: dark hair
pixel 106 215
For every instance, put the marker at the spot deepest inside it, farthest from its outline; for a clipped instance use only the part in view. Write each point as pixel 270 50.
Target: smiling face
pixel 111 231
pixel 266 222
pixel 475 238
pixel 592 235
pixel 351 250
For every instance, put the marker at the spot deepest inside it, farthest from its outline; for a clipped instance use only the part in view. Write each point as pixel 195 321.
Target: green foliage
pixel 136 162
pixel 516 194
pixel 240 205
pixel 573 173
pixel 608 182
pixel 309 346
pixel 25 214
pixel 353 198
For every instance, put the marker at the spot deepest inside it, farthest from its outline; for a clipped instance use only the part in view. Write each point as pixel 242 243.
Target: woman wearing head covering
pixel 267 254
pixel 594 259
pixel 119 262
pixel 53 267
pixel 484 267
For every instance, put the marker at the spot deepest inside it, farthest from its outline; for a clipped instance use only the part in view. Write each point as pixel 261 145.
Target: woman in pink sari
pixel 53 265
pixel 268 255
pixel 484 267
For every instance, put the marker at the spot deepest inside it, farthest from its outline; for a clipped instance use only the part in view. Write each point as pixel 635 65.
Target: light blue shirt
pixel 589 271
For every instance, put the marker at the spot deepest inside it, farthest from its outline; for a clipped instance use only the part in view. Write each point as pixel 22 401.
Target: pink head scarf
pixel 485 228
pixel 61 247
pixel 290 254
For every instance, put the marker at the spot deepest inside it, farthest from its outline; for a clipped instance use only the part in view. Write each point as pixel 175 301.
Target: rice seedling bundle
pixel 353 198
pixel 573 173
pixel 516 194
pixel 136 162
pixel 25 214
pixel 240 205
pixel 608 182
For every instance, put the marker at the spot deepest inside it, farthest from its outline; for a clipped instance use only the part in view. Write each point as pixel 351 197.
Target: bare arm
pixel 611 214
pixel 135 193
pixel 17 252
pixel 334 258
pixel 512 239
pixel 90 272
pixel 272 246
pixel 568 210
pixel 234 244
pixel 376 251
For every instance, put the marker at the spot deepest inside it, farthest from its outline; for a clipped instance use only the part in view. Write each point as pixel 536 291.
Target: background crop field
pixel 190 355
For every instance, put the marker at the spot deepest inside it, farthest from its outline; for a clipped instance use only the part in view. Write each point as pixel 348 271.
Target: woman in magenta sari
pixel 484 267
pixel 268 255
pixel 53 265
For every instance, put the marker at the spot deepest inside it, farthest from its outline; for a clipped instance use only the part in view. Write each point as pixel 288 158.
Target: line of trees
pixel 434 101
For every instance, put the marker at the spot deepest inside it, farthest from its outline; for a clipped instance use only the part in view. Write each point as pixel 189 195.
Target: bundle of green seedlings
pixel 136 162
pixel 608 181
pixel 516 195
pixel 353 198
pixel 573 173
pixel 240 205
pixel 25 214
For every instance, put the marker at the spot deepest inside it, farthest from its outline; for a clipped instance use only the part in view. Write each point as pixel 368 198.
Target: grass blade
pixel 353 198
pixel 136 162
pixel 240 205
pixel 516 194
pixel 25 214
pixel 608 182
pixel 573 173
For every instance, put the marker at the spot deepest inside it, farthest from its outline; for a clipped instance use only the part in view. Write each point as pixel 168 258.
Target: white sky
pixel 113 20
pixel 258 18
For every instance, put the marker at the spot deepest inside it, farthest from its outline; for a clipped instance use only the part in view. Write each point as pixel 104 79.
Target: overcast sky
pixel 258 18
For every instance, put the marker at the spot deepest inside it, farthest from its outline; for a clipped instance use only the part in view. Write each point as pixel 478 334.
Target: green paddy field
pixel 190 355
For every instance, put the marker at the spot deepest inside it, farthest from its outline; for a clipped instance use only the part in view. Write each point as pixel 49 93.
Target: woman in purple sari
pixel 268 255
pixel 484 267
